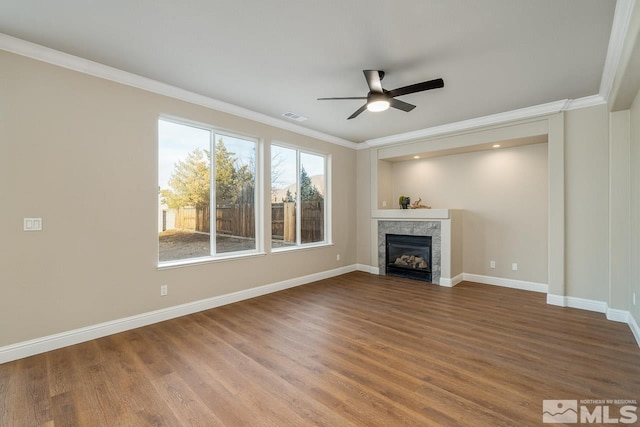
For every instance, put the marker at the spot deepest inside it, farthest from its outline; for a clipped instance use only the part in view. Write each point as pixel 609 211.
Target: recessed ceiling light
pixel 496 145
pixel 416 157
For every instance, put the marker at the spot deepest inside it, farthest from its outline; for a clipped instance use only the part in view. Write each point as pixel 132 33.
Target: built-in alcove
pixel 489 235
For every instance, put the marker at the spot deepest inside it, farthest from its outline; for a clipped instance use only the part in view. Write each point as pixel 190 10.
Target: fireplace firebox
pixel 408 256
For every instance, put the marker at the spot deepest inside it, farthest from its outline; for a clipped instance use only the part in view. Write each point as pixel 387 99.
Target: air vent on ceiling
pixel 294 116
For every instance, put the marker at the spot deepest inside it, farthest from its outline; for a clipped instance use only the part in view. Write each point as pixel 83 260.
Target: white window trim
pixel 328 235
pixel 166 265
pixel 258 195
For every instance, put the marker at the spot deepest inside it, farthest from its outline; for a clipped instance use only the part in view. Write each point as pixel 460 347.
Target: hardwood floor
pixel 357 349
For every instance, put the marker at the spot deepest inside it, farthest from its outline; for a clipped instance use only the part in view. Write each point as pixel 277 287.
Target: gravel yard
pixel 182 244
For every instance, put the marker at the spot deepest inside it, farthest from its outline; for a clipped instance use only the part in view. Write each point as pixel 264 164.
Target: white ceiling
pixel 280 55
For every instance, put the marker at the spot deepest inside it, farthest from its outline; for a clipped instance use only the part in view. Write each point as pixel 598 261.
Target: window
pixel 298 198
pixel 207 182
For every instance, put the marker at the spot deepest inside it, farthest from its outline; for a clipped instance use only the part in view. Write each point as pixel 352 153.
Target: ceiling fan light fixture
pixel 378 103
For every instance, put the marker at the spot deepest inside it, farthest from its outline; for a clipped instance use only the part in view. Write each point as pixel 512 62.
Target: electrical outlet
pixel 164 290
pixel 338 257
pixel 384 203
pixel 514 266
pixel 492 264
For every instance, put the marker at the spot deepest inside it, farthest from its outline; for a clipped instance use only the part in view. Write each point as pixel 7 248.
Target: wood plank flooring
pixel 357 349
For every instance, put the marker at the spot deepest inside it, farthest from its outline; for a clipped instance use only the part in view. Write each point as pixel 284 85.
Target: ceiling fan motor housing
pixel 375 97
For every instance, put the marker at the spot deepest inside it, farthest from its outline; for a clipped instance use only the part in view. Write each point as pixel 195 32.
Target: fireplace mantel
pixel 411 214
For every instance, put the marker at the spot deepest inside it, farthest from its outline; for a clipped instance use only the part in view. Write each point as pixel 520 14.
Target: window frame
pixel 328 236
pixel 258 194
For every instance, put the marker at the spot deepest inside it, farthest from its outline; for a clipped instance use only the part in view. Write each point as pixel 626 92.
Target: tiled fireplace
pixel 411 228
pixel 443 226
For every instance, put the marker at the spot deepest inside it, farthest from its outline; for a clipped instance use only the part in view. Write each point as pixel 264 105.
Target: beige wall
pixel 81 153
pixel 587 203
pixel 504 197
pixel 635 207
pixel 363 207
pixel 619 210
pixel 386 197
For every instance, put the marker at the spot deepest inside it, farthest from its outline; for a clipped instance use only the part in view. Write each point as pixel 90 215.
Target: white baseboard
pixel 558 300
pixel 507 283
pixel 612 314
pixel 575 302
pixel 616 315
pixel 76 336
pixel 451 282
pixel 587 304
pixel 635 329
pixel 364 267
pixel 448 283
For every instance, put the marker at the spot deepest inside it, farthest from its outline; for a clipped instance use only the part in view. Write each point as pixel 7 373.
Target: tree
pixel 246 181
pixel 235 182
pixel 308 191
pixel 226 175
pixel 189 184
pixel 277 169
pixel 288 198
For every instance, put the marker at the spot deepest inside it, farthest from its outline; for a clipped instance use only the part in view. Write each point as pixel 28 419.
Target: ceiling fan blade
pixel 348 97
pixel 418 87
pixel 373 80
pixel 357 113
pixel 401 105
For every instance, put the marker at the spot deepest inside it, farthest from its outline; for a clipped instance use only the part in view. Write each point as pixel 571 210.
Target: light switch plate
pixel 32 224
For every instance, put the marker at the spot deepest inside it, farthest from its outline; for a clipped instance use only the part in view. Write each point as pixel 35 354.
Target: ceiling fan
pixel 379 99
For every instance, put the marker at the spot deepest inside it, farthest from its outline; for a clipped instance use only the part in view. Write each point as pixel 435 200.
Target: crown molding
pixel 619 29
pixel 493 119
pixel 587 101
pixel 75 63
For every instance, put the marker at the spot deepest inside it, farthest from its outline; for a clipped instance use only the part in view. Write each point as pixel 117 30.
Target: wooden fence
pixel 236 220
pixel 189 218
pixel 312 224
pixel 239 220
pixel 277 221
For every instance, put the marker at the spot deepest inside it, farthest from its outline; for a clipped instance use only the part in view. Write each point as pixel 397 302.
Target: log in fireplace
pixel 408 256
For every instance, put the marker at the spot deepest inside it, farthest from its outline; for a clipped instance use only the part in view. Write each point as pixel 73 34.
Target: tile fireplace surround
pixel 444 227
pixel 411 228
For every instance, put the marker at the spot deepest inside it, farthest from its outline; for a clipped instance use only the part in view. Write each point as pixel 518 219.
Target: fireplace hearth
pixel 408 256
